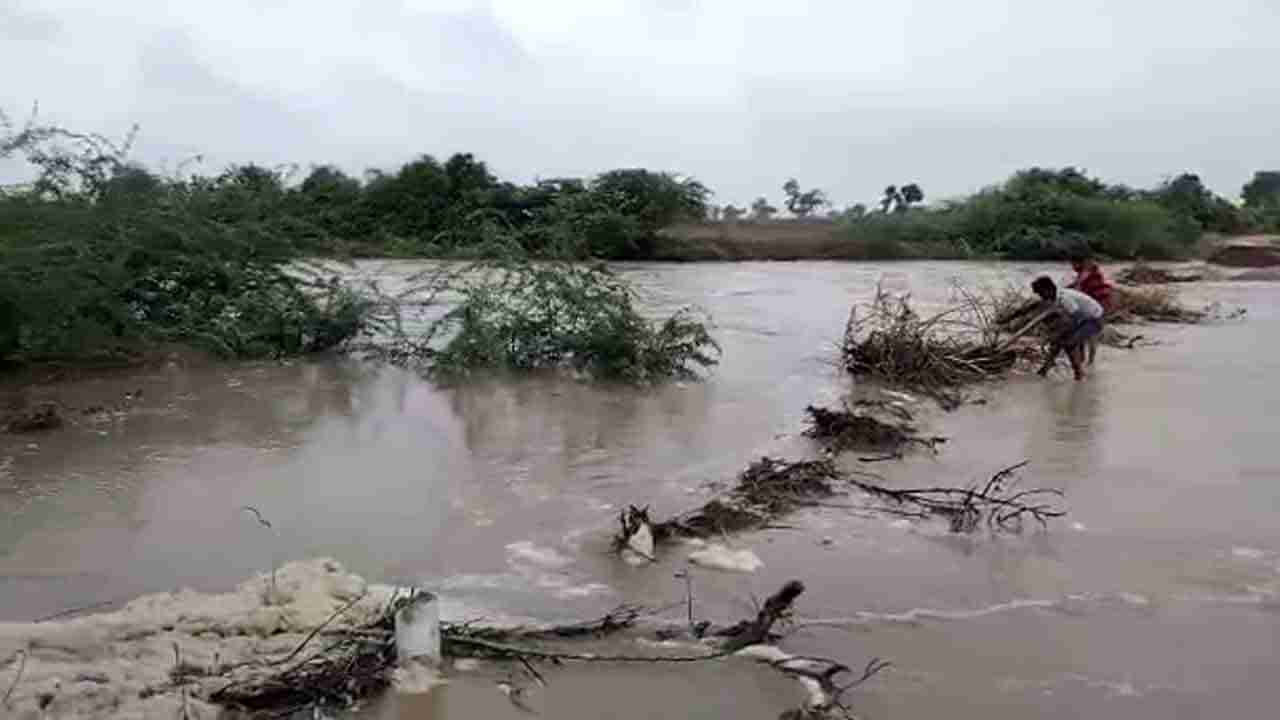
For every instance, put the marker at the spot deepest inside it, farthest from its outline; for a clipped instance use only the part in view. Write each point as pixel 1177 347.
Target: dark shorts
pixel 1081 331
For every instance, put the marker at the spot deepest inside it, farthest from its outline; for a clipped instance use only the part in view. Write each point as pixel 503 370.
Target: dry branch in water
pixel 998 504
pixel 859 429
pixel 770 488
pixel 1152 304
pixel 355 663
pixel 888 341
pixel 766 490
pixel 1143 274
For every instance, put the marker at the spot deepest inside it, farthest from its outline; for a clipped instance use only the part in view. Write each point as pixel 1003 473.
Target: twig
pixel 533 673
pixel 503 649
pixel 80 609
pixel 316 631
pixel 22 665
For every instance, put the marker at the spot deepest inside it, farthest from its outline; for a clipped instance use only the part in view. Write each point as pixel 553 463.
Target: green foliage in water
pixel 100 259
pixel 103 259
pixel 559 315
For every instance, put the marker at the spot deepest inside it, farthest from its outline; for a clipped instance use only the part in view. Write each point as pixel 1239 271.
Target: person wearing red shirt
pixel 1090 281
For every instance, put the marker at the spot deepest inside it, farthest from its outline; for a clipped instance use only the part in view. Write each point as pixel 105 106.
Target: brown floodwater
pixel 1155 598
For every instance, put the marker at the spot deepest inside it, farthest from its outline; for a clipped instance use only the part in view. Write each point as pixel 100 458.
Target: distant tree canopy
pixel 762 210
pixel 900 199
pixel 1191 202
pixel 1048 213
pixel 1263 191
pixel 802 204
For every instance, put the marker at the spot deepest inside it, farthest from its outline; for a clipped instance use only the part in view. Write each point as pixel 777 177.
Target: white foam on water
pixel 415 678
pixel 764 653
pixel 1248 553
pixel 719 557
pixel 1134 599
pixel 130 652
pixel 916 615
pixel 527 551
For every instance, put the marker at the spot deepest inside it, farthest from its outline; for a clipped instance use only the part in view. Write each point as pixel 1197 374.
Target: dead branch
pixel 768 489
pixel 858 428
pixel 17 678
pixel 753 632
pixel 358 661
pixel 1144 274
pixel 889 342
pixel 966 509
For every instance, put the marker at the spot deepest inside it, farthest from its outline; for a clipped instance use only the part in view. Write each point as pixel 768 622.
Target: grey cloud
pixel 19 24
pixel 845 96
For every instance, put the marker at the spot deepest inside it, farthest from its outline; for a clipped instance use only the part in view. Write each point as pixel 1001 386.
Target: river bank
pixel 503 495
pixel 792 240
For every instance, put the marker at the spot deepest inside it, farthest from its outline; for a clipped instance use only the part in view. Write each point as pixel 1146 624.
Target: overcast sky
pixel 844 95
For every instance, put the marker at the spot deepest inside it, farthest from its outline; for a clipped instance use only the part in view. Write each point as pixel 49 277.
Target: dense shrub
pixel 523 316
pixel 99 258
pixel 1039 214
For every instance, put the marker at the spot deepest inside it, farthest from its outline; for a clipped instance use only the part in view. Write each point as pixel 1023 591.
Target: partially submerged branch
pixel 997 504
pixel 766 490
pixel 888 341
pixel 358 662
pixel 858 428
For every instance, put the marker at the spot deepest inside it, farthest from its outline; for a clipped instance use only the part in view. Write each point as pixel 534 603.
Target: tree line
pixel 1039 213
pixel 98 251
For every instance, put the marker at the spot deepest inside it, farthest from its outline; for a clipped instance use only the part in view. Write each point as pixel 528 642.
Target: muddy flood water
pixel 1156 597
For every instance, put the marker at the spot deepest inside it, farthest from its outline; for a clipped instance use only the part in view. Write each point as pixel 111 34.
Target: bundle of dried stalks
pixel 888 341
pixel 1143 274
pixel 1153 304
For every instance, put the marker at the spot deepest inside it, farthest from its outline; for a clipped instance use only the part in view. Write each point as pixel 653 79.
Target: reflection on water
pixel 502 494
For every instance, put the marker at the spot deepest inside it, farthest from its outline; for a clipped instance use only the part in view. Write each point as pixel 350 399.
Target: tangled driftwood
pixel 998 503
pixel 1152 304
pixel 858 428
pixel 350 664
pixel 768 489
pixel 1143 274
pixel 771 488
pixel 890 342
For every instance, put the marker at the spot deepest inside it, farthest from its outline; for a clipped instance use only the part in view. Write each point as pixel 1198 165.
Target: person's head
pixel 1044 287
pixel 1080 261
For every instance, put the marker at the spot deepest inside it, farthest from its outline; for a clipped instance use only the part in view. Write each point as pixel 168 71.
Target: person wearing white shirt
pixel 1083 316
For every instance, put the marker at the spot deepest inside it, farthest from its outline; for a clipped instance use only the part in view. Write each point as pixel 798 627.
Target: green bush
pixel 100 258
pixel 1037 214
pixel 525 316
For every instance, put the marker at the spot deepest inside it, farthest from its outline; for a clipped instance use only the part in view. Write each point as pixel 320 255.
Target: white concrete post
pixel 418 630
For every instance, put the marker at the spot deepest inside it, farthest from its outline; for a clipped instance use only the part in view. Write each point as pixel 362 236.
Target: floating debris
pixel 890 342
pixel 1144 274
pixel 857 428
pixel 43 416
